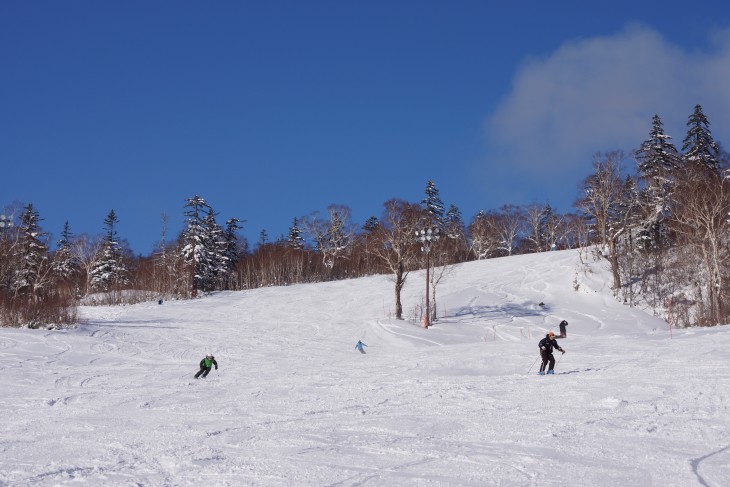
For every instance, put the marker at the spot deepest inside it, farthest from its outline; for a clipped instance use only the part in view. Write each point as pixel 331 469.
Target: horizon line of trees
pixel 663 230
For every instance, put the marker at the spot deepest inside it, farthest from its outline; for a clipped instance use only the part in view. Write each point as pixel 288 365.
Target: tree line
pixel 663 230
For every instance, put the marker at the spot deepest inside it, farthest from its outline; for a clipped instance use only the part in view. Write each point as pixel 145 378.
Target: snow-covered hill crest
pixel 114 401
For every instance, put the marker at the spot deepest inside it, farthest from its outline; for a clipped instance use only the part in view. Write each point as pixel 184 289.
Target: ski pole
pixel 533 364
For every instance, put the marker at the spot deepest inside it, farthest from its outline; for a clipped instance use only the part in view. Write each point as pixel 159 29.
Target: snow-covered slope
pixel 114 401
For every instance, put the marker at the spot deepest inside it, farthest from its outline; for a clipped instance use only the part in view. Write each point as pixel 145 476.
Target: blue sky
pixel 274 110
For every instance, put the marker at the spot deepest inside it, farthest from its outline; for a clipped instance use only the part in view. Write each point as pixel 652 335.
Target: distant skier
pixel 205 366
pixel 563 333
pixel 360 345
pixel 546 352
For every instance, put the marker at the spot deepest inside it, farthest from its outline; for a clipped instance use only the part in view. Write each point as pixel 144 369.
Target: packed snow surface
pixel 114 401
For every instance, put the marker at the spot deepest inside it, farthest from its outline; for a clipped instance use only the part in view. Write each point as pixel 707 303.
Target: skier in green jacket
pixel 205 366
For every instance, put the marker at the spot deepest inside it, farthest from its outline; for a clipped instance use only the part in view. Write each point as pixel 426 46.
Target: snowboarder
pixel 563 333
pixel 205 365
pixel 546 352
pixel 360 345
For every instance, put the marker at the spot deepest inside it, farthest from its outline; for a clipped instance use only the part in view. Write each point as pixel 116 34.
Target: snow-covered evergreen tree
pixel 657 157
pixel 295 239
pixel 434 206
pixel 699 146
pixel 65 265
pixel 371 224
pixel 31 255
pixel 194 250
pixel 657 162
pixel 213 265
pixel 548 226
pixel 454 222
pixel 230 251
pixel 108 271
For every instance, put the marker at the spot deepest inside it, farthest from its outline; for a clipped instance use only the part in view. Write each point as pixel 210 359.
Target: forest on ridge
pixel 663 229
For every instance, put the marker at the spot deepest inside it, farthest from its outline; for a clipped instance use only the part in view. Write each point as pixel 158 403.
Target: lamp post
pixel 193 291
pixel 6 222
pixel 427 237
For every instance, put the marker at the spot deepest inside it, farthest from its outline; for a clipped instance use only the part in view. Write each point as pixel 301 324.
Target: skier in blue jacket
pixel 360 345
pixel 546 352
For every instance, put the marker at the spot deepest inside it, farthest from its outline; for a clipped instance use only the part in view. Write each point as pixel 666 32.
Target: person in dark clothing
pixel 205 366
pixel 563 333
pixel 546 352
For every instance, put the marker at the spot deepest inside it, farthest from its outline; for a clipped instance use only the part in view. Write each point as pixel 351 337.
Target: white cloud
pixel 599 94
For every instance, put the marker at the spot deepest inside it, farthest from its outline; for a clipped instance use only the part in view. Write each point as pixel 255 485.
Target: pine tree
pixel 194 251
pixel 434 206
pixel 657 157
pixel 548 223
pixel 230 252
pixel 295 239
pixel 657 162
pixel 454 222
pixel 699 146
pixel 214 264
pixel 109 270
pixel 31 254
pixel 65 266
pixel 371 224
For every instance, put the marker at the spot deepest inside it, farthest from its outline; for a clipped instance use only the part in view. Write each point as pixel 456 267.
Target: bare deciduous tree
pixel 397 247
pixel 85 248
pixel 533 219
pixel 332 237
pixel 484 240
pixel 440 270
pixel 701 217
pixel 508 225
pixel 609 202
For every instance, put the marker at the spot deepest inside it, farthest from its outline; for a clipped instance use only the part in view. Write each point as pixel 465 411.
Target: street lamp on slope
pixel 427 237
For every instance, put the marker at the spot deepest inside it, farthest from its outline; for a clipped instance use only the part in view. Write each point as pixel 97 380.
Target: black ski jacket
pixel 549 344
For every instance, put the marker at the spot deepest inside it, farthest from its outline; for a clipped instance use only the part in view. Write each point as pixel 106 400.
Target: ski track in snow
pixel 114 402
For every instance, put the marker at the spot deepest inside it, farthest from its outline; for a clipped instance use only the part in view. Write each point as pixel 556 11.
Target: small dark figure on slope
pixel 546 352
pixel 205 366
pixel 360 345
pixel 563 333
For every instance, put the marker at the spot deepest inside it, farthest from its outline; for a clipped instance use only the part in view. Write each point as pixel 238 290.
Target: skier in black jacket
pixel 563 332
pixel 546 352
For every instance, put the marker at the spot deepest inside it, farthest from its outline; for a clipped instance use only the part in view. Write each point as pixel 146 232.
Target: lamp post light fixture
pixel 427 237
pixel 5 222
